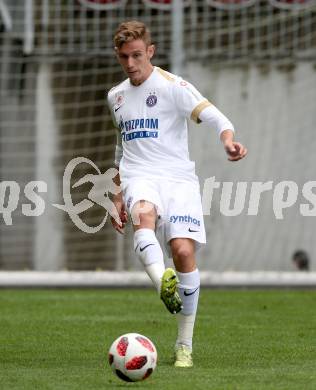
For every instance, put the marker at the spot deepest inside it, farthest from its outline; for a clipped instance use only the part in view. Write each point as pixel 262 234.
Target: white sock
pixel 150 254
pixel 185 330
pixel 189 288
pixel 155 272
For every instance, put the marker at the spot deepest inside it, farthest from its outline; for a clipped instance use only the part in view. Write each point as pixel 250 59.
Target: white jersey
pixel 152 121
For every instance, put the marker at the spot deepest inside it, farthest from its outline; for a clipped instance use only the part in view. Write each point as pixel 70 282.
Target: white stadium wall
pixel 274 113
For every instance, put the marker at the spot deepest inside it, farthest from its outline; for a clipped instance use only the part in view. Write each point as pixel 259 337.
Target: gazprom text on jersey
pixel 141 123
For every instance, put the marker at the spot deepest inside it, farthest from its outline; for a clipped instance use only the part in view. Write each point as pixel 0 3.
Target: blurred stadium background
pixel 256 60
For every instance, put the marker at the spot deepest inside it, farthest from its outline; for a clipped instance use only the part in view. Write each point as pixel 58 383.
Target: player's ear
pixel 116 50
pixel 151 51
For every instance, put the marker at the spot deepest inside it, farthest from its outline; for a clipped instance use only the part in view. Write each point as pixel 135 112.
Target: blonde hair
pixel 130 31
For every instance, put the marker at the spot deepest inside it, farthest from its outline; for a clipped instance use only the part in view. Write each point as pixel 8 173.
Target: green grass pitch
pixel 59 339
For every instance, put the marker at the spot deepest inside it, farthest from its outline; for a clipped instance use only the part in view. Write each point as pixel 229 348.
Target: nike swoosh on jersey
pixel 116 109
pixel 190 293
pixel 193 231
pixel 142 249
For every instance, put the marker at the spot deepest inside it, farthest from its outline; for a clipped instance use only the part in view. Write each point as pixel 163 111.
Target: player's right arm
pixel 118 198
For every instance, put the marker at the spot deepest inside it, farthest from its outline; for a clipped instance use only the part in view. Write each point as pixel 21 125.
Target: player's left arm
pixel 191 103
pixel 225 129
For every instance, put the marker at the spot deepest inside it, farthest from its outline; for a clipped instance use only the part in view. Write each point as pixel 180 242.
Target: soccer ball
pixel 133 357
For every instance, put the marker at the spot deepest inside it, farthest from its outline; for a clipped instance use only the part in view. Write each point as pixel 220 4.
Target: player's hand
pixel 235 151
pixel 119 204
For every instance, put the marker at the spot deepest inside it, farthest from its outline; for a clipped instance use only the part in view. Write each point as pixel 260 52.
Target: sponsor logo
pixel 193 231
pixel 139 124
pixel 139 134
pixel 184 219
pixel 143 125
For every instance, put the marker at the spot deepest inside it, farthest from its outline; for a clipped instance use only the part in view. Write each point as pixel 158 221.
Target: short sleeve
pixel 110 105
pixel 118 148
pixel 189 101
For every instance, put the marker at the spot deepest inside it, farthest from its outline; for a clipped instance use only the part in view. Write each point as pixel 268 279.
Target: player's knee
pixel 182 253
pixel 144 214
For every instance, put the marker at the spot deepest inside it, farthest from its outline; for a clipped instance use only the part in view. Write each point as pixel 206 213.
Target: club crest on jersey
pixel 151 100
pixel 119 100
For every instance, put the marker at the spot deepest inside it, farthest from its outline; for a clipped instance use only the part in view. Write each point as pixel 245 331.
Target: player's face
pixel 135 59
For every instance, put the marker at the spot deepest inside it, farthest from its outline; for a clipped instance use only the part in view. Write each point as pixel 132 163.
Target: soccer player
pixel 160 190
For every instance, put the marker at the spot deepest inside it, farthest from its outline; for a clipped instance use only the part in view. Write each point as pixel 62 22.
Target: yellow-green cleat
pixel 168 292
pixel 183 356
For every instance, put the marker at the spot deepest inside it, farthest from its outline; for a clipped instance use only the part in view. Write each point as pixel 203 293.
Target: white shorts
pixel 178 206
